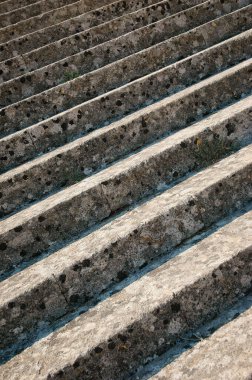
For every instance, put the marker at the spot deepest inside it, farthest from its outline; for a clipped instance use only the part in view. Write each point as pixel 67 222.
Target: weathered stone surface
pixel 49 18
pixel 91 59
pixel 12 16
pixel 73 162
pixel 69 33
pixel 86 267
pixel 28 233
pixel 118 127
pixel 225 355
pixel 110 76
pixel 113 338
pixel 169 114
pixel 8 5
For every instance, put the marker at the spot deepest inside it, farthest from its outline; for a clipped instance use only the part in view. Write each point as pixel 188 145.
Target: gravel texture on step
pixel 112 339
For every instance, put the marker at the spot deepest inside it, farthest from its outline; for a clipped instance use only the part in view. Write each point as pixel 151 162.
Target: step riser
pixel 36 82
pixel 231 344
pixel 69 168
pixel 23 13
pixel 59 15
pixel 111 51
pixel 22 64
pixel 144 343
pixel 193 313
pixel 125 185
pixel 129 246
pixel 94 36
pixel 219 287
pixel 9 5
pixel 59 99
pixel 29 143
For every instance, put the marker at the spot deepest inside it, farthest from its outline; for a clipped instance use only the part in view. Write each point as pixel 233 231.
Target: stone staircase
pixel 126 189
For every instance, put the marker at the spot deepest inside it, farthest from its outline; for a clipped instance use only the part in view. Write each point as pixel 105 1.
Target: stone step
pixel 114 338
pixel 126 182
pixel 61 14
pixel 12 16
pixel 176 111
pixel 224 355
pixel 157 34
pixel 9 5
pixel 63 97
pixel 38 81
pixel 71 35
pixel 75 161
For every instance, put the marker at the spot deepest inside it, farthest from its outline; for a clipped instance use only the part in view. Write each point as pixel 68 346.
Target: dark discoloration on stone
pixel 97 83
pixel 138 313
pixel 76 161
pixel 50 18
pixel 63 32
pixel 170 114
pixel 122 246
pixel 12 16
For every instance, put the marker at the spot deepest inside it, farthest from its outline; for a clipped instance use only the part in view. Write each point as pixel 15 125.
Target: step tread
pixel 62 164
pixel 32 141
pixel 224 355
pixel 125 188
pixel 133 306
pixel 87 26
pixel 50 81
pixel 92 263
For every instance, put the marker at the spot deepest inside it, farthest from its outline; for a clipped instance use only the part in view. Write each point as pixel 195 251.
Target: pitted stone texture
pixel 116 74
pixel 224 355
pixel 103 258
pixel 79 159
pixel 59 99
pixel 71 35
pixel 147 316
pixel 169 114
pixel 140 39
pixel 73 162
pixel 61 14
pixel 9 5
pixel 88 266
pixel 13 16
